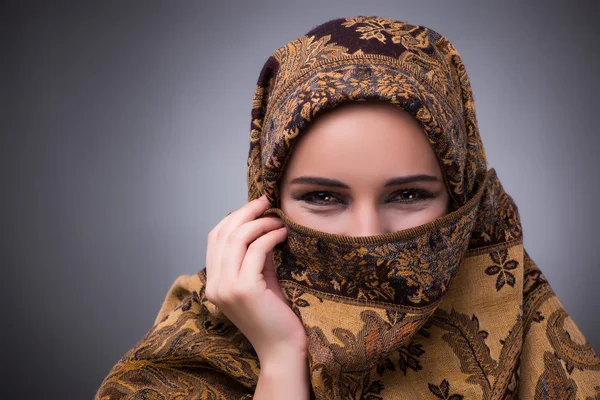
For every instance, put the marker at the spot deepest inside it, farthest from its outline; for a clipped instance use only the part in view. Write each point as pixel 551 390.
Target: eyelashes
pixel 327 198
pixel 320 198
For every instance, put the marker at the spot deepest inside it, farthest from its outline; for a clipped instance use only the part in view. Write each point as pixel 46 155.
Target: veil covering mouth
pixel 452 309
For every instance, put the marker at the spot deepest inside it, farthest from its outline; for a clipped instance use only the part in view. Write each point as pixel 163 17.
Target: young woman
pixel 377 257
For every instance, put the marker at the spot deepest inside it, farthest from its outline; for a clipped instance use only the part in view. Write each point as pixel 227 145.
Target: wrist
pixel 276 351
pixel 283 356
pixel 283 376
pixel 288 370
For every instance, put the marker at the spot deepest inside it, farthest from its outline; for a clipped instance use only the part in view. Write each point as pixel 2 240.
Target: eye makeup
pixel 323 198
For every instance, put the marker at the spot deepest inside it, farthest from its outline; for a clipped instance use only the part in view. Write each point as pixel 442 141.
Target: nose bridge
pixel 366 220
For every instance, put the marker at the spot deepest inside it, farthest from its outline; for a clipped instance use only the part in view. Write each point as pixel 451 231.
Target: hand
pixel 241 281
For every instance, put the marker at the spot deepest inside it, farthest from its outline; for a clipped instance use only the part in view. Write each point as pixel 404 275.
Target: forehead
pixel 363 140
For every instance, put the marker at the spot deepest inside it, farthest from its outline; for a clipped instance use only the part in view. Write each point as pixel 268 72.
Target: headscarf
pixel 451 309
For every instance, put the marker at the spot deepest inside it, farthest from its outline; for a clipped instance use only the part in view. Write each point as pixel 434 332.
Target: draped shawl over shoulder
pixel 452 309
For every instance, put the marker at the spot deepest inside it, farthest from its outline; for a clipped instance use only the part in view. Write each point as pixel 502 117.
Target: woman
pixel 377 258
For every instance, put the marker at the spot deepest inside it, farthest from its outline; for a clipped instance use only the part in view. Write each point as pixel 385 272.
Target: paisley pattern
pixel 453 309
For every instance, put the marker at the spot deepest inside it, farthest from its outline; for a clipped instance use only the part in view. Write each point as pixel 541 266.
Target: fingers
pixel 229 241
pixel 245 287
pixel 234 289
pixel 270 276
pixel 213 246
pixel 240 242
pixel 248 212
pixel 212 273
pixel 257 253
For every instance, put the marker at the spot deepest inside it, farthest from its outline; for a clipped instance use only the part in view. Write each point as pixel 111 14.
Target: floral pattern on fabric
pixel 454 309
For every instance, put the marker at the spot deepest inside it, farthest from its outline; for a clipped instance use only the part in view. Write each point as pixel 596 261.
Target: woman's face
pixel 363 169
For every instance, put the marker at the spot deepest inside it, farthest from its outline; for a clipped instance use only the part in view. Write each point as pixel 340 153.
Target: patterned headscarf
pixel 451 309
pixel 366 58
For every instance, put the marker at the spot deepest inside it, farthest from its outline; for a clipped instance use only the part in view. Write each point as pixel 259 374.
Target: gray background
pixel 125 135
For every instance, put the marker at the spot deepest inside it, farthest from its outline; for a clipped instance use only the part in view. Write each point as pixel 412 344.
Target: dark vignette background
pixel 124 136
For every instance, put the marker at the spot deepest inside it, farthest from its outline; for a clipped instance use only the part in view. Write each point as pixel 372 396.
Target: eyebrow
pixel 400 180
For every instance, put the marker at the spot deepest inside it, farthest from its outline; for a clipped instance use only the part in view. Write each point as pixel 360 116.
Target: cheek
pixel 300 215
pixel 411 219
pixel 292 209
pixel 328 223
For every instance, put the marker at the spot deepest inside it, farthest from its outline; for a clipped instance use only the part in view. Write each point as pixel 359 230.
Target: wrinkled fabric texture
pixel 452 309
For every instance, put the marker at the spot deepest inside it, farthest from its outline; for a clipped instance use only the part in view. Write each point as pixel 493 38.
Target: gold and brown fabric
pixel 453 309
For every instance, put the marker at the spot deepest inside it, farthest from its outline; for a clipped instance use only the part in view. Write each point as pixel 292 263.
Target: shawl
pixel 452 309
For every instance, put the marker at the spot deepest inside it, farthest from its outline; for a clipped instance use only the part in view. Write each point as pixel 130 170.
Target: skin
pixel 363 169
pixel 371 171
pixel 241 281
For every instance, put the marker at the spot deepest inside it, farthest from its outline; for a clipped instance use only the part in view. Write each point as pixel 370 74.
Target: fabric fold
pixel 452 309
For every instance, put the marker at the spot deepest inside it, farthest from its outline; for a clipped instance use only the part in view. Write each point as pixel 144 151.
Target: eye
pixel 321 198
pixel 410 195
